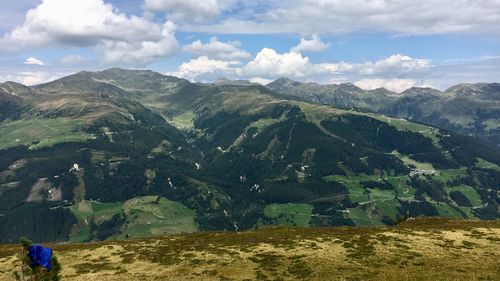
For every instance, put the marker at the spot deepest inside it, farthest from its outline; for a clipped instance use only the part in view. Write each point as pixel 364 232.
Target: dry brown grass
pixel 427 249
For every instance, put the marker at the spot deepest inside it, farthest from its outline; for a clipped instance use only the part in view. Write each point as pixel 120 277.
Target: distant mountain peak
pixel 420 91
pixel 284 81
pixel 226 81
pixel 349 86
pixel 472 87
pixel 15 89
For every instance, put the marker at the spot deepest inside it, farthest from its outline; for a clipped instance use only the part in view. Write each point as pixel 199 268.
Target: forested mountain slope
pixel 159 155
pixel 470 109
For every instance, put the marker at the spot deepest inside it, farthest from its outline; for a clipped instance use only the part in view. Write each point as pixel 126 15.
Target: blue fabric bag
pixel 40 256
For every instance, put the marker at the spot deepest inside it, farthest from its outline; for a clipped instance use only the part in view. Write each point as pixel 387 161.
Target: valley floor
pixel 422 249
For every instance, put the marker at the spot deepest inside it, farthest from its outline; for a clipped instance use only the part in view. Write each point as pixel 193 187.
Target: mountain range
pixel 469 109
pixel 120 154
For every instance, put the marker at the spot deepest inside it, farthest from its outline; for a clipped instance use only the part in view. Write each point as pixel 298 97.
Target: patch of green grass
pixel 289 214
pixel 145 216
pixel 483 164
pixel 183 121
pixel 451 174
pixel 446 210
pixel 362 218
pixel 469 192
pixel 388 208
pixel 358 194
pixel 492 124
pixel 405 125
pixel 403 189
pixel 265 122
pixel 105 211
pixel 85 209
pixel 86 212
pixel 38 133
pixel 383 203
pixel 408 161
pixel 153 215
pixel 351 178
pixel 381 195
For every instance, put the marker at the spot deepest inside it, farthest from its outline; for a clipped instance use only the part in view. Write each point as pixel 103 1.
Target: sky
pixel 396 44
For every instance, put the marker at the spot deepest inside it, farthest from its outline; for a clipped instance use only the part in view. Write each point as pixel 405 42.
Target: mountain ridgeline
pixel 468 109
pixel 122 154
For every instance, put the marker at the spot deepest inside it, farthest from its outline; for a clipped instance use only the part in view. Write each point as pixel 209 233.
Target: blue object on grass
pixel 40 256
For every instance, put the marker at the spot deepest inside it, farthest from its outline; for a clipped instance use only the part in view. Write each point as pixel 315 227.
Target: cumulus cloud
pixel 31 77
pixel 178 10
pixel 89 23
pixel 260 80
pixel 396 64
pixel 396 85
pixel 203 66
pixel 140 52
pixel 33 61
pixel 218 50
pixel 337 16
pixel 315 44
pixel 268 63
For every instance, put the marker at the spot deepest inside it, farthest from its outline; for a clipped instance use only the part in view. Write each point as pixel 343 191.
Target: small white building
pixel 75 168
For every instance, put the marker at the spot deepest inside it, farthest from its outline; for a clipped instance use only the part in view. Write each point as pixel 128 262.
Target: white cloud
pixel 394 72
pixel 178 10
pixel 203 66
pixel 338 16
pixel 268 63
pixel 141 52
pixel 89 23
pixel 262 81
pixel 313 45
pixel 218 50
pixel 33 78
pixel 33 61
pixel 341 67
pixel 396 85
pixel 397 64
pixel 71 60
pixel 30 77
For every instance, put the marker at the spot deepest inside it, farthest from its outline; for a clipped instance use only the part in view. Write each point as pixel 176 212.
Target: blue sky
pixel 394 44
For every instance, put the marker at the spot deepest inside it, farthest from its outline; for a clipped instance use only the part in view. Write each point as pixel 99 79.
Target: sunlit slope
pixel 417 250
pixel 465 108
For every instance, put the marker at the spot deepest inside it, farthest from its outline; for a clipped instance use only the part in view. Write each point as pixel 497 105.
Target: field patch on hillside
pixel 137 217
pixel 289 214
pixel 37 133
pixel 481 163
pixel 154 215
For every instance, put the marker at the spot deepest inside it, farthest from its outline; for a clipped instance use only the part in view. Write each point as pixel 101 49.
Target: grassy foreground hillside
pixel 423 249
